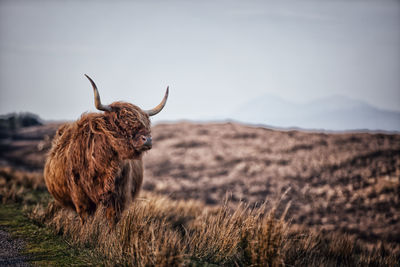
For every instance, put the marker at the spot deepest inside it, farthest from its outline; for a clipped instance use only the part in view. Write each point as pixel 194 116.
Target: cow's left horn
pixel 160 106
pixel 97 101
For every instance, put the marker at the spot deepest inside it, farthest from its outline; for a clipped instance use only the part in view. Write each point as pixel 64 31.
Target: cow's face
pixel 130 124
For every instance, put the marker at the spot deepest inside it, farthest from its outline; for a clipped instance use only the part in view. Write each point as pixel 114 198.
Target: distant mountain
pixel 331 113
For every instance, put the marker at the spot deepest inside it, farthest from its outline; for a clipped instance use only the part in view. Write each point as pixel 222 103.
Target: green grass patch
pixel 42 246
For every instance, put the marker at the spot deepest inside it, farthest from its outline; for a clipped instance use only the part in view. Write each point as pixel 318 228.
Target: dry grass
pixel 340 183
pixel 21 186
pixel 345 183
pixel 158 231
pixel 348 182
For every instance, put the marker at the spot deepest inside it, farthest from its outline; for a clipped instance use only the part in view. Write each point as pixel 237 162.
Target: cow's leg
pixel 134 178
pixel 83 205
pixel 114 205
pixel 111 215
pixel 115 196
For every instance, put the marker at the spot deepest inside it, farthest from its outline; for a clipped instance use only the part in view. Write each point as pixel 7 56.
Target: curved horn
pixel 97 101
pixel 160 106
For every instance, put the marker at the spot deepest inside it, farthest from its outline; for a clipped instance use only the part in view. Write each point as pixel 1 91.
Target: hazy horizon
pixel 214 55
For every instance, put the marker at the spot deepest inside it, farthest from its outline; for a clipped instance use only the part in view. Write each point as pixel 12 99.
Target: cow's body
pixel 97 160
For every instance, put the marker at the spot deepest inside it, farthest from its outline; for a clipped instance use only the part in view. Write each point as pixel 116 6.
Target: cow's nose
pixel 149 142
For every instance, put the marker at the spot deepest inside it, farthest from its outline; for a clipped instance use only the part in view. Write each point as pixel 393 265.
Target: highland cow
pixel 96 161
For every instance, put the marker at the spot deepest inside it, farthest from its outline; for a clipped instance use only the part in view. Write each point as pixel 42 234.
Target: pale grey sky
pixel 214 55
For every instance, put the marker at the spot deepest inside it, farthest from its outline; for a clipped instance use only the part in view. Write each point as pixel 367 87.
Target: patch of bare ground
pixel 9 251
pixel 347 183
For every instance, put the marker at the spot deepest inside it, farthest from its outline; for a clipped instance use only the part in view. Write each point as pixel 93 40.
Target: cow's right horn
pixel 97 101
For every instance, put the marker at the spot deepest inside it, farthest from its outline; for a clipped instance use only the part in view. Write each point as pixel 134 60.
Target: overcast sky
pixel 214 55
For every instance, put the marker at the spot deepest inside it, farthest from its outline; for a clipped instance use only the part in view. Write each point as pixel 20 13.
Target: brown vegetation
pixel 342 199
pixel 346 182
pixel 158 231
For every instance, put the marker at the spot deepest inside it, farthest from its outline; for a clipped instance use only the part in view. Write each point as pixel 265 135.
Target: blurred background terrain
pixel 335 182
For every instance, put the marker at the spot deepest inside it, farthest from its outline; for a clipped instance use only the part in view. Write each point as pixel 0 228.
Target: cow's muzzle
pixel 148 143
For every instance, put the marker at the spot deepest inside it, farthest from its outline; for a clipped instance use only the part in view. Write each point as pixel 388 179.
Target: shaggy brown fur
pixel 97 160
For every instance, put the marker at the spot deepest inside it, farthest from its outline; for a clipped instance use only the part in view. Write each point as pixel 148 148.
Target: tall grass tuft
pixel 139 239
pixel 20 186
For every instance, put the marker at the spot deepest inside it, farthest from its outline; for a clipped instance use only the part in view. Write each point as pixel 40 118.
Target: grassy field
pixel 220 195
pixel 158 231
pixel 342 182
